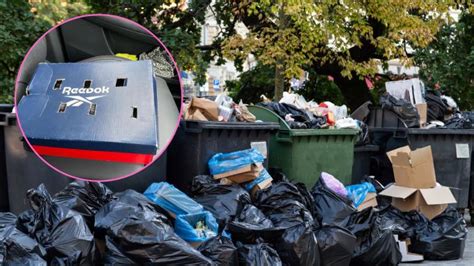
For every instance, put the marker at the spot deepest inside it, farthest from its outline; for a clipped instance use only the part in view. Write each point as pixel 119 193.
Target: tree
pixel 18 31
pixel 176 24
pixel 345 39
pixel 448 62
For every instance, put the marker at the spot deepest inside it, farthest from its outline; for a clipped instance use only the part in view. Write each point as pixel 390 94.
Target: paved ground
pixel 468 252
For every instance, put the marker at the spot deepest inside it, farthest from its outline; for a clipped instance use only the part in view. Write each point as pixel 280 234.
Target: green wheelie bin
pixel 302 154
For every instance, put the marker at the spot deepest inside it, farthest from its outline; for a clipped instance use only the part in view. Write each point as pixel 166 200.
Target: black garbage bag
pixel 442 238
pixel 403 224
pixel 437 108
pixel 223 201
pixel 220 250
pixel 404 109
pixel 62 232
pixel 251 225
pixel 302 119
pixel 336 245
pixel 374 246
pixel 258 254
pixel 86 198
pixel 283 204
pixel 298 245
pixel 16 248
pixel 331 208
pixel 293 235
pixel 135 231
pixel 458 121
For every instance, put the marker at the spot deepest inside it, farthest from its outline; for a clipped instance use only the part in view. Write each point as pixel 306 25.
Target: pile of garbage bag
pixel 222 224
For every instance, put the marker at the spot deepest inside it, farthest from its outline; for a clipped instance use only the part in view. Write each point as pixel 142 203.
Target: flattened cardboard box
pixel 429 201
pixel 103 109
pixel 414 169
pixel 369 201
pixel 242 175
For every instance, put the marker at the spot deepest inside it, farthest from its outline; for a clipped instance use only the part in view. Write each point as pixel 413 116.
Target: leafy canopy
pixel 448 62
pixel 351 35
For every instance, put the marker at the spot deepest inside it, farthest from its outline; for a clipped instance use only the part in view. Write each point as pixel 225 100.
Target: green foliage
pixel 341 38
pixel 18 31
pixel 54 11
pixel 319 88
pixel 252 84
pixel 177 26
pixel 449 61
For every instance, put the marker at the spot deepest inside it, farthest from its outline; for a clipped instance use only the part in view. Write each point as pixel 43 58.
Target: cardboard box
pixel 429 201
pixel 413 169
pixel 262 185
pixel 202 109
pixel 423 112
pixel 242 175
pixel 98 111
pixel 369 201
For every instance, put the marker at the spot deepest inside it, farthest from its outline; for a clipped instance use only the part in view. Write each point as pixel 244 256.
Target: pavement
pixel 468 258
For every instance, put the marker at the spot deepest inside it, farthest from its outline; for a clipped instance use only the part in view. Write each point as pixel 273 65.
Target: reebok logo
pixel 79 100
pixel 98 90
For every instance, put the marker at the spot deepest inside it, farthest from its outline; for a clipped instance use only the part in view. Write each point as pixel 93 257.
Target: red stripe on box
pixel 111 156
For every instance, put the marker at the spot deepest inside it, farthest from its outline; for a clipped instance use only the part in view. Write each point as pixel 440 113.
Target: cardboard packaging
pixel 429 201
pixel 415 185
pixel 423 112
pixel 262 185
pixel 202 109
pixel 242 175
pixel 93 111
pixel 413 169
pixel 407 256
pixel 369 201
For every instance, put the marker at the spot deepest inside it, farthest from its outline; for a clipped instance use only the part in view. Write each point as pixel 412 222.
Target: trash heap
pixel 301 114
pixel 223 109
pixel 419 109
pixel 240 220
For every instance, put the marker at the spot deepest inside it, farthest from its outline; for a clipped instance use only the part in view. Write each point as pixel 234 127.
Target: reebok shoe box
pixel 95 111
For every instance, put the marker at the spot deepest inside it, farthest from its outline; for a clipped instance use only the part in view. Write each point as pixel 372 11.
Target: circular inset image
pixel 98 98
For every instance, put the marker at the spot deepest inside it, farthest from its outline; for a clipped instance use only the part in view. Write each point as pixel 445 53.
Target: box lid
pixel 94 106
pixel 404 156
pixel 438 195
pixel 399 192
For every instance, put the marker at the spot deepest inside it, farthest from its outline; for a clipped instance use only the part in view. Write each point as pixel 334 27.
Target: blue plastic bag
pixel 357 193
pixel 226 162
pixel 185 226
pixel 172 199
pixel 264 175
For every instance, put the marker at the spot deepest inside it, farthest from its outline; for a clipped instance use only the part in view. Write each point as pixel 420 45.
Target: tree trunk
pixel 279 83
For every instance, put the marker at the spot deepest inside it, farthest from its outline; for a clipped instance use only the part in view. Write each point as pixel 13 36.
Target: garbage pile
pixel 232 217
pixel 301 114
pixel 423 110
pixel 223 109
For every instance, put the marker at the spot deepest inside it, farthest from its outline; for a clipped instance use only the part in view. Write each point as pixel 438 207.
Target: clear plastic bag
pixel 172 199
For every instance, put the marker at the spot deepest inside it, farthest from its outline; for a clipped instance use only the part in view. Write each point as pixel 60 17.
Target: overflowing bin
pixel 24 170
pixel 197 141
pixel 452 150
pixel 303 154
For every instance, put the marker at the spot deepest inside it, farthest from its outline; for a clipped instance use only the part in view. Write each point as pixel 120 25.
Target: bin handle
pixel 187 128
pixel 400 134
pixel 283 136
